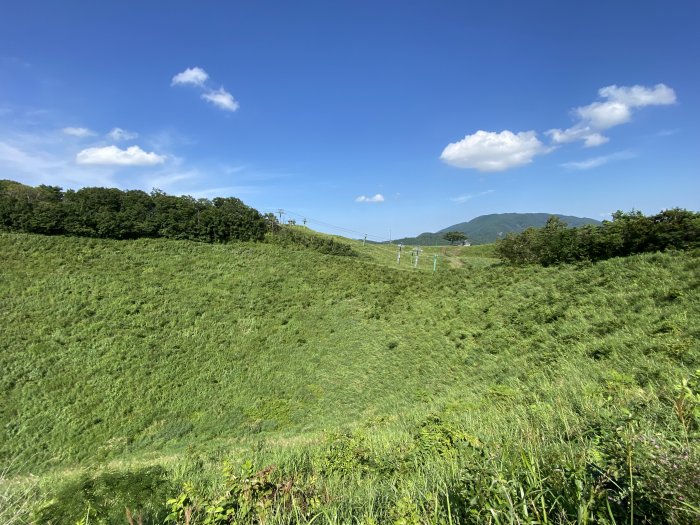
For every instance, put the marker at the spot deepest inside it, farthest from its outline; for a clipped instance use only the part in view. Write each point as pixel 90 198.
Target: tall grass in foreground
pixel 17 498
pixel 559 465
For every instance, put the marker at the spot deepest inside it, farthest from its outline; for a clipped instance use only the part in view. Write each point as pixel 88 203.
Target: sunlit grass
pixel 387 393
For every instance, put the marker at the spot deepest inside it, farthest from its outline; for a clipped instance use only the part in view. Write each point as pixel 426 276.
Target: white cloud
pixel 78 132
pixel 596 162
pixel 119 134
pixel 585 133
pixel 639 96
pixel 491 151
pixel 193 75
pixel 27 161
pixel 615 110
pixel 469 196
pixel 604 115
pixel 198 77
pixel 221 98
pixel 43 157
pixel 590 140
pixel 112 155
pixel 377 198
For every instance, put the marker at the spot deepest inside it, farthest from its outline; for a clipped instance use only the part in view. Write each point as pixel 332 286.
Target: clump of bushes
pixel 627 234
pixel 110 213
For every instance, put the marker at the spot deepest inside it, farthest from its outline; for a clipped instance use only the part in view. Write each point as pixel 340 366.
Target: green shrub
pixel 627 234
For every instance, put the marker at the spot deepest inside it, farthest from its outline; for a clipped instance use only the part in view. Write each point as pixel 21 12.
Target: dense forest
pixel 111 213
pixel 627 234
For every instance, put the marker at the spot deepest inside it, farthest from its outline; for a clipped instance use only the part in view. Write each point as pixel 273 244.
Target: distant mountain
pixel 488 228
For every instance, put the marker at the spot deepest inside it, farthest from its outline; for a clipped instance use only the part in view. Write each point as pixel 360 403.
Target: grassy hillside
pixel 387 254
pixel 375 392
pixel 489 228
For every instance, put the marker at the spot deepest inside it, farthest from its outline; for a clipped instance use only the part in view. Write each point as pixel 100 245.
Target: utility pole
pixel 415 260
pixel 398 256
pixel 364 240
pixel 304 221
pixel 281 212
pixel 434 263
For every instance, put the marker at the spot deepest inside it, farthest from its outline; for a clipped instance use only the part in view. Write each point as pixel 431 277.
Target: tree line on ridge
pixel 115 214
pixel 627 234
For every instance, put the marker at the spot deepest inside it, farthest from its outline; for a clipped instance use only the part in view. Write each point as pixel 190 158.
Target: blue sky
pixel 379 117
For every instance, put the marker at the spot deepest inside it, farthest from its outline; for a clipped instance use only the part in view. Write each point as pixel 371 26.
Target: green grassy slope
pixel 124 353
pixel 121 347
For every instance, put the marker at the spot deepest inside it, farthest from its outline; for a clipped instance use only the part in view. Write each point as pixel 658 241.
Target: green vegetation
pixel 301 236
pixel 272 383
pixel 489 228
pixel 110 213
pixel 627 234
pixel 454 237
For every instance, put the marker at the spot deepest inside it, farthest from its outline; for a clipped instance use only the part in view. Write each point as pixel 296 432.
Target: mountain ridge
pixel 488 228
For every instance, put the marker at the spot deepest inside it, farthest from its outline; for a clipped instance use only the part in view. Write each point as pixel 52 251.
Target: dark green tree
pixel 454 237
pixel 36 210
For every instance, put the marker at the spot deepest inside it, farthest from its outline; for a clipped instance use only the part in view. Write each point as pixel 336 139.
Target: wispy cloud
pixel 196 181
pixel 231 169
pixel 119 134
pixel 29 162
pixel 222 99
pixel 78 132
pixel 596 162
pixel 469 196
pixel 668 132
pixel 377 198
pixel 228 191
pixel 16 157
pixel 112 155
pixel 616 109
pixel 168 178
pixel 196 76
